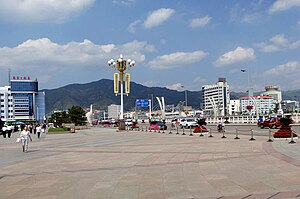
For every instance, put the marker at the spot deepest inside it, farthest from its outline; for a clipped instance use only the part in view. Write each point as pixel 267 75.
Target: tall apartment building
pixel 7 104
pixel 216 98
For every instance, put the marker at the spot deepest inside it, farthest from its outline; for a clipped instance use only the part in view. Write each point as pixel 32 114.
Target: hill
pixel 100 94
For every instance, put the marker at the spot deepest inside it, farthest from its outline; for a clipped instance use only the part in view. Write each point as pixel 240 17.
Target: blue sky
pixel 179 44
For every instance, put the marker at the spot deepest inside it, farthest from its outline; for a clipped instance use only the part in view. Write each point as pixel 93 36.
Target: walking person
pixel 25 137
pixel 38 130
pixel 4 129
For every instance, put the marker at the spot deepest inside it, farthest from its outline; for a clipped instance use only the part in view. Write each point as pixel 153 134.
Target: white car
pixel 128 122
pixel 188 123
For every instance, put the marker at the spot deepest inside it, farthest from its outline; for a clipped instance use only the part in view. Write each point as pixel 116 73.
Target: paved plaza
pixel 102 163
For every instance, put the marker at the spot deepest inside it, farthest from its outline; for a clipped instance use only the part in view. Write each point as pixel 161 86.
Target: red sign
pixel 249 107
pixel 21 78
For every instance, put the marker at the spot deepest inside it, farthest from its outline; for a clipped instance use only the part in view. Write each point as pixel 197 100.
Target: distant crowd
pixel 37 129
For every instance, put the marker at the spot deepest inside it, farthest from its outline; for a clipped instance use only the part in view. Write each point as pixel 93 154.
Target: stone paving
pixel 102 163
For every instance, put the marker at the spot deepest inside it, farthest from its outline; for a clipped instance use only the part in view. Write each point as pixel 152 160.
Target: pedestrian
pixel 38 130
pixel 4 128
pixel 30 128
pixel 9 130
pixel 25 137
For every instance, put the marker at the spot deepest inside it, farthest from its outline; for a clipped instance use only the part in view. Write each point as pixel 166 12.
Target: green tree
pixel 77 115
pixel 59 117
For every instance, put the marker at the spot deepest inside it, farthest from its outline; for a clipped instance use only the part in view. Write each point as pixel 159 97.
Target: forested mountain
pixel 100 94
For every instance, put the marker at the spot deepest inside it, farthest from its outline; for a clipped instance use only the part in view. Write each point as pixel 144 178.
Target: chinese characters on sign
pixel 21 78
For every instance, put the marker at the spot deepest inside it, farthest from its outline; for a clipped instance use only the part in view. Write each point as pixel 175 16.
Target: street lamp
pixel 243 70
pixel 121 65
pixel 185 95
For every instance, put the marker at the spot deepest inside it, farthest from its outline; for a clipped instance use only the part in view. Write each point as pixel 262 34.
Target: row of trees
pixel 74 115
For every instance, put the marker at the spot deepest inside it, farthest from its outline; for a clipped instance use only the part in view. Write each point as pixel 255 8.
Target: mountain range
pixel 100 94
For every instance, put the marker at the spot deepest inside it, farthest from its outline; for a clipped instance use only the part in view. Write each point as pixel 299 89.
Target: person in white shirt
pixel 38 130
pixel 25 137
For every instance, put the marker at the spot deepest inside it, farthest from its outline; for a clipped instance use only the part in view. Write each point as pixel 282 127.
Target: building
pixel 216 98
pixel 257 105
pixel 290 106
pixel 22 100
pixel 234 107
pixel 7 104
pixel 274 92
pixel 114 111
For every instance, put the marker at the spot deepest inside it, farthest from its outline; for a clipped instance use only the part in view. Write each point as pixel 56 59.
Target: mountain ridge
pixel 100 94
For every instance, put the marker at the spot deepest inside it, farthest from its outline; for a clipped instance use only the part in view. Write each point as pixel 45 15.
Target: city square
pixel 105 163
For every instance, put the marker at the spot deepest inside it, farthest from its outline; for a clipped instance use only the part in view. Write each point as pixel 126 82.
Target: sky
pixel 178 44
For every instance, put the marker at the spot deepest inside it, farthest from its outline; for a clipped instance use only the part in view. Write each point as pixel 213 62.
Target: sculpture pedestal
pixel 121 125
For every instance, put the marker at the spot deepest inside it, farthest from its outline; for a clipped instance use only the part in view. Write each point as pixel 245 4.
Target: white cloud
pixel 238 55
pixel 282 5
pixel 252 18
pixel 44 57
pixel 157 17
pixel 176 86
pixel 284 69
pixel 33 11
pixel 128 3
pixel 177 59
pixel 200 22
pixel 278 43
pixel 132 27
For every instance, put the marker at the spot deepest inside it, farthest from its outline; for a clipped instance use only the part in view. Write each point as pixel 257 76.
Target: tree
pixel 59 117
pixel 77 115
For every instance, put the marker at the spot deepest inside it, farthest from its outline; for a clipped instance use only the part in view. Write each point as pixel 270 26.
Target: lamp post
pixel 121 65
pixel 248 103
pixel 185 96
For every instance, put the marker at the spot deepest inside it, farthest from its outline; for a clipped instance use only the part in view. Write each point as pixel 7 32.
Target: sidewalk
pixel 103 163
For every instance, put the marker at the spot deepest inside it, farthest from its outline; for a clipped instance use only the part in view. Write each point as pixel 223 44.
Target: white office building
pixel 7 104
pixel 257 105
pixel 114 111
pixel 216 98
pixel 234 107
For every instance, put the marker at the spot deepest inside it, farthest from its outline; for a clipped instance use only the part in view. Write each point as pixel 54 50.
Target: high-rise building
pixel 216 98
pixel 7 104
pixel 28 102
pixel 274 92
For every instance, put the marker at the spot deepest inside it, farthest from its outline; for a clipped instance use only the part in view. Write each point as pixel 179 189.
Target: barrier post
pixel 251 139
pixel 191 134
pixel 183 131
pixel 292 138
pixel 236 134
pixel 270 140
pixel 210 133
pixel 223 129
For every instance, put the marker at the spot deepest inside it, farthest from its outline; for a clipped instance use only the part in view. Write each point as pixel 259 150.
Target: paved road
pixel 103 163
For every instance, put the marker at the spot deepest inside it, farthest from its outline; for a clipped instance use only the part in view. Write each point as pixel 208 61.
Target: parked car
pixel 272 122
pixel 106 123
pixel 157 125
pixel 188 123
pixel 128 122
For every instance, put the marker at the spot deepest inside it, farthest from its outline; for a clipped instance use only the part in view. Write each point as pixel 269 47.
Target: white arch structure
pixel 162 107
